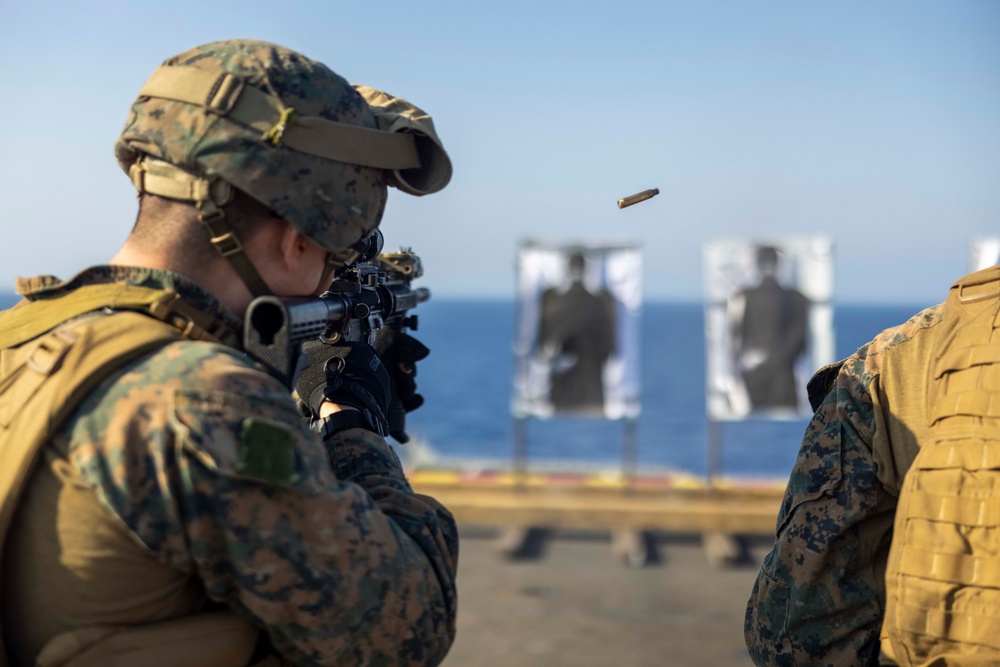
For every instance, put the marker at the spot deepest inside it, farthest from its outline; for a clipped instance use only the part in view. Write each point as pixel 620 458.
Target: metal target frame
pixel 797 270
pixel 604 293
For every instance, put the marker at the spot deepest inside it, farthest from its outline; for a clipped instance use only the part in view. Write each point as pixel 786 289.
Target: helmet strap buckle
pixel 228 244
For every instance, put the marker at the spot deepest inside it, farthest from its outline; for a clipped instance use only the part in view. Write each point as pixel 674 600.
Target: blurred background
pixel 873 125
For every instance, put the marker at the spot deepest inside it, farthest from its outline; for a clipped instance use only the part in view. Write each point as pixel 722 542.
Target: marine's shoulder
pixel 908 341
pixel 185 353
pixel 152 382
pixel 888 340
pixel 201 365
pixel 206 397
pixel 868 361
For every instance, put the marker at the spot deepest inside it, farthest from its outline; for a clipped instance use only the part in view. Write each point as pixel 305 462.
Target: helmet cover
pixel 333 203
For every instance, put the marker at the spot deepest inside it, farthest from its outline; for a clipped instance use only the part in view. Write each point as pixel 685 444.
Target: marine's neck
pixel 217 277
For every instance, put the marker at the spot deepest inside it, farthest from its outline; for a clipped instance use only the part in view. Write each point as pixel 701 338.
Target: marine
pixel 163 499
pixel 886 542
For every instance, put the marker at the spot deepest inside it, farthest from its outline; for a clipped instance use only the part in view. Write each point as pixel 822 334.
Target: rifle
pixel 372 293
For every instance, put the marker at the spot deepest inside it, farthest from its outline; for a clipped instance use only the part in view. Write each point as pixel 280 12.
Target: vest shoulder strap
pixel 32 317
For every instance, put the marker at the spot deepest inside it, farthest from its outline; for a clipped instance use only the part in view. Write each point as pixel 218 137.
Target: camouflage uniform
pixel 819 598
pixel 334 554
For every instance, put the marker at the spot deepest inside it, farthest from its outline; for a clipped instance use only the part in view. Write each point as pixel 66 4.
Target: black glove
pixel 349 374
pixel 400 352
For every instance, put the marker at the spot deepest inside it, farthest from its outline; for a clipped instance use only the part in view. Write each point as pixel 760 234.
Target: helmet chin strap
pixel 229 246
pixel 338 259
pixel 329 266
pixel 161 178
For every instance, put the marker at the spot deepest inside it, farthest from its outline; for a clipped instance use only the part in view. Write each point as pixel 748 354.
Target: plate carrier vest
pixel 943 577
pixel 50 359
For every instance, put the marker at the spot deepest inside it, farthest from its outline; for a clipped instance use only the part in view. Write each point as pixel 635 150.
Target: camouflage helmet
pixel 282 128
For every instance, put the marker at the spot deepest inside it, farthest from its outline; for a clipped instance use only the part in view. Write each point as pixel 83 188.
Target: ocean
pixel 467 380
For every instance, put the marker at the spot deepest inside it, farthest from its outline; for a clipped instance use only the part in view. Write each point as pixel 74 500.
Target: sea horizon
pixel 467 382
pixel 9 298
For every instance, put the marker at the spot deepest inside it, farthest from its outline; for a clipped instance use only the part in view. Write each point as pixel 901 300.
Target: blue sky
pixel 876 124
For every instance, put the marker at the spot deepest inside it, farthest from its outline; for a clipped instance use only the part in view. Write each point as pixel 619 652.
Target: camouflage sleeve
pixel 208 462
pixel 819 597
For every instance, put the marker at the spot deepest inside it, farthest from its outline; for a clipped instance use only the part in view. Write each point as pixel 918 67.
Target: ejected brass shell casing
pixel 638 197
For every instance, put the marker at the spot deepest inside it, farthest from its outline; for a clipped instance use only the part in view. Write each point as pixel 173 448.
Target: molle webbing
pixel 228 95
pixel 967 357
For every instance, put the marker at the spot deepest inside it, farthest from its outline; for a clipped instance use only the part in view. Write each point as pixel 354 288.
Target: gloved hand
pixel 349 374
pixel 400 352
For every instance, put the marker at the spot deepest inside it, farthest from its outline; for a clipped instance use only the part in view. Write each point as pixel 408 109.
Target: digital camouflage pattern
pixel 334 203
pixel 820 595
pixel 207 462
